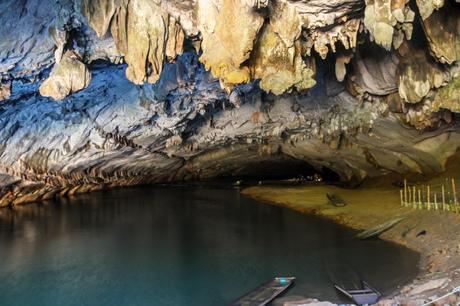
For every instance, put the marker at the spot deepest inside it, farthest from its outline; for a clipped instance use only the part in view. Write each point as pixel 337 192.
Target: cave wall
pixel 121 92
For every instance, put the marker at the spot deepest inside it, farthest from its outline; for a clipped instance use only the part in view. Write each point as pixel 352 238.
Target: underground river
pixel 180 246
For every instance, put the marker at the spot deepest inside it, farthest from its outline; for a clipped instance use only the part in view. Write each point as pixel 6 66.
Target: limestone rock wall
pixel 161 90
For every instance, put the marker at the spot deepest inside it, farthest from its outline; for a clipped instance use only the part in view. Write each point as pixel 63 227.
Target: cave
pixel 260 114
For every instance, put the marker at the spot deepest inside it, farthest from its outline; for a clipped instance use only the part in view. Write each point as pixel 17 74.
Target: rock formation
pixel 68 76
pixel 146 36
pixel 442 29
pixel 161 90
pixel 5 90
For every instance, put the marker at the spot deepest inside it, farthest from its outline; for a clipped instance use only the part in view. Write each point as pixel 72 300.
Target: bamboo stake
pixel 419 199
pixel 402 197
pixel 410 197
pixel 423 197
pixel 414 204
pixel 405 190
pixel 454 191
pixel 443 198
pixel 428 195
pixel 449 200
pixel 436 201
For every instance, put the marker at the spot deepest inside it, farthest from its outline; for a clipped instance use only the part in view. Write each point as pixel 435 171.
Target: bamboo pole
pixel 455 196
pixel 409 200
pixel 405 190
pixel 436 201
pixel 449 201
pixel 419 199
pixel 454 191
pixel 414 204
pixel 428 197
pixel 423 197
pixel 443 198
pixel 402 197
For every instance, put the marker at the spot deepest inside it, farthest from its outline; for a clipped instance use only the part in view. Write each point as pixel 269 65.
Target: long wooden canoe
pixel 335 200
pixel 265 293
pixel 365 296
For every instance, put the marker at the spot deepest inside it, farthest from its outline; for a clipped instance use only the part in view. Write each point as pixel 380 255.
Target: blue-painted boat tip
pixel 265 293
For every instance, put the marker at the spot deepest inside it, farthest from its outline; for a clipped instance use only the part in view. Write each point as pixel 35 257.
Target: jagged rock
pixel 448 97
pixel 99 14
pixel 59 36
pixel 385 20
pixel 442 29
pixel 417 76
pixel 277 58
pixel 68 76
pixel 5 90
pixel 316 15
pixel 224 50
pixel 321 41
pixel 426 7
pixel 147 36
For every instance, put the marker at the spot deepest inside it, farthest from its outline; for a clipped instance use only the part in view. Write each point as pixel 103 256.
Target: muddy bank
pixel 434 234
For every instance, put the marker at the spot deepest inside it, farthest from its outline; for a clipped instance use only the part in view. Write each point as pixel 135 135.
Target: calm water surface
pixel 179 246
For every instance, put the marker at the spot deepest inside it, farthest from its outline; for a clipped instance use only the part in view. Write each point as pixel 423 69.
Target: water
pixel 179 246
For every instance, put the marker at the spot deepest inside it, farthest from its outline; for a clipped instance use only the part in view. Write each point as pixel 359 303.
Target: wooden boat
pixel 335 200
pixel 265 293
pixel 365 296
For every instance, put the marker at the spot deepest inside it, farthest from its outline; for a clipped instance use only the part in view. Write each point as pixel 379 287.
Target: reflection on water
pixel 179 246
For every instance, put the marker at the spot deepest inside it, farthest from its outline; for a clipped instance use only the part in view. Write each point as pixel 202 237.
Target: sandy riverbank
pixel 434 234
